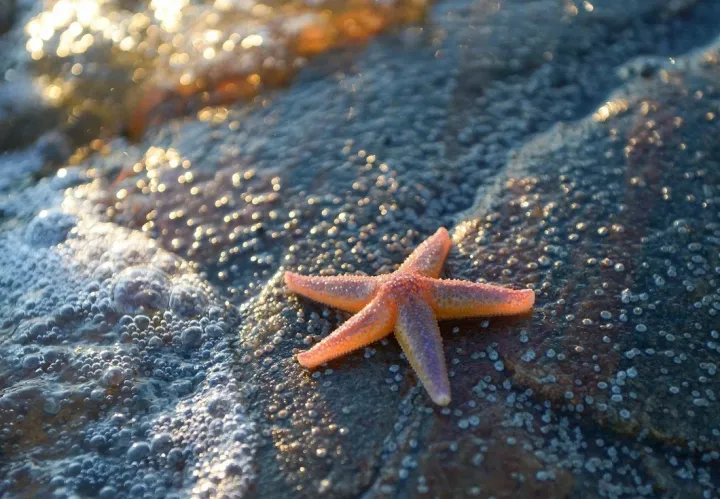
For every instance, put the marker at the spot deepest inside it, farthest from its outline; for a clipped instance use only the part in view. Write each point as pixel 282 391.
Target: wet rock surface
pixel 147 341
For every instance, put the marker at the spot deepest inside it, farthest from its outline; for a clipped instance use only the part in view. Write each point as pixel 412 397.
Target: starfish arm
pixel 429 257
pixel 372 323
pixel 417 332
pixel 349 293
pixel 452 299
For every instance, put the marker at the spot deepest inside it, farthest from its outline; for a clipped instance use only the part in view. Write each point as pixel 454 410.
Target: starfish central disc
pixel 400 284
pixel 409 301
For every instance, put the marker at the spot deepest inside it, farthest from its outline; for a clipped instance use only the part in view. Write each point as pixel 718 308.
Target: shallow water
pixel 146 338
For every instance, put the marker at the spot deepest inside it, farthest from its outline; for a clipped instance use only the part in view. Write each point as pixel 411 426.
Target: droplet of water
pixel 187 301
pixel 139 289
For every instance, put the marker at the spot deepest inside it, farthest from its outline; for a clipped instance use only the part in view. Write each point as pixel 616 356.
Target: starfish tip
pixel 442 399
pixel 528 298
pixel 305 360
pixel 291 279
pixel 443 233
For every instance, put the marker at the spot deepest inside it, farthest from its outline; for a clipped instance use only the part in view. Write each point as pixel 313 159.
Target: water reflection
pixel 136 63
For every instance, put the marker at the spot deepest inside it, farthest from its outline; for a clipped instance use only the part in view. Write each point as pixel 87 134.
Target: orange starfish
pixel 408 301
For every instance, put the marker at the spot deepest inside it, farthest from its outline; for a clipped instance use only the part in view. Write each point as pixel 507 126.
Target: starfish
pixel 408 301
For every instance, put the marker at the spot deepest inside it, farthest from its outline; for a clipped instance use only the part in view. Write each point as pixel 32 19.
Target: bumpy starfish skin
pixel 408 301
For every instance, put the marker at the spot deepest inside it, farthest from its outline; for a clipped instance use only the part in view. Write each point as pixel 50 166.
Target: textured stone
pixel 559 142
